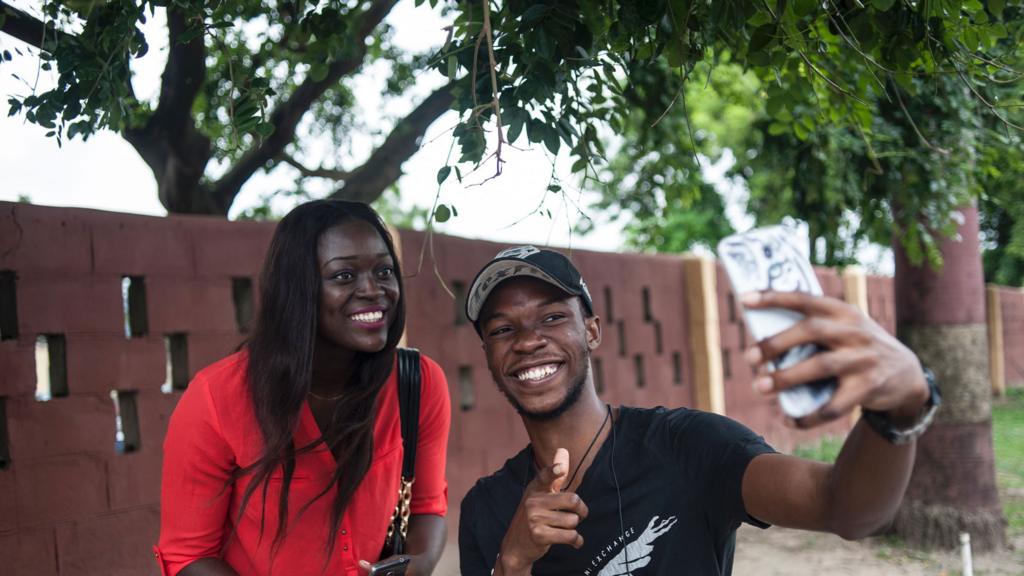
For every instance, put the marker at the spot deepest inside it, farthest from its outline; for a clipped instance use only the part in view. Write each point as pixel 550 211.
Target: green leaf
pixel 514 130
pixel 443 173
pixel 318 72
pixel 882 5
pixel 265 129
pixel 800 131
pixel 535 130
pixel 551 140
pixel 247 124
pixel 453 67
pixel 535 13
pixel 246 107
pixel 190 34
pixel 973 6
pixel 804 7
pixel 442 214
pixel 762 37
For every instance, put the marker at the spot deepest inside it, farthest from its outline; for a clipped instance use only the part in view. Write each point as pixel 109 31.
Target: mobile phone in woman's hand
pixel 394 566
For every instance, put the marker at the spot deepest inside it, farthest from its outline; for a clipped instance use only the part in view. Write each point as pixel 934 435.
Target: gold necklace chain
pixel 325 398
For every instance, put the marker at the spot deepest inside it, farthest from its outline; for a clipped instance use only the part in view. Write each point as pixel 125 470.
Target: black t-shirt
pixel 679 475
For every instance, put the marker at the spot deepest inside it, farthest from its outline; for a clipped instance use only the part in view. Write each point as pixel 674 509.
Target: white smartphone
pixel 771 259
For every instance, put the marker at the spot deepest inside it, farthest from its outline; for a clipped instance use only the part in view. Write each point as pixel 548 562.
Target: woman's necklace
pixel 325 398
pixel 589 448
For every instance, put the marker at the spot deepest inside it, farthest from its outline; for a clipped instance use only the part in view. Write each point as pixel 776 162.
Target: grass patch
pixel 1008 441
pixel 823 450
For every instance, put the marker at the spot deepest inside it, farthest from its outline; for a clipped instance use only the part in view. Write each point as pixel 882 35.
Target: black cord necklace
pixel 593 441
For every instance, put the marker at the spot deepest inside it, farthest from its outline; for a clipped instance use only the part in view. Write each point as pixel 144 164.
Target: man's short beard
pixel 573 396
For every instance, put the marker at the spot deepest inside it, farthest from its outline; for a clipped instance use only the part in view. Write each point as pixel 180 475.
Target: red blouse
pixel 213 431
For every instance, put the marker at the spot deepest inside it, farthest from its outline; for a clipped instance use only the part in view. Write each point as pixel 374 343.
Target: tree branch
pixel 169 142
pixel 330 173
pixel 288 113
pixel 384 166
pixel 31 30
pixel 185 72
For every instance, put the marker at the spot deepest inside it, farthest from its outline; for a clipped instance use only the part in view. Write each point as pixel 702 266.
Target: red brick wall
pixel 1012 303
pixel 72 505
pixel 882 302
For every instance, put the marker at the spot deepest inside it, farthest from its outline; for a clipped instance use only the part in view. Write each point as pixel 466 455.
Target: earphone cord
pixel 618 496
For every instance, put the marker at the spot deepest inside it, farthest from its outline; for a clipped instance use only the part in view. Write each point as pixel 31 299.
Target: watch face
pixel 935 398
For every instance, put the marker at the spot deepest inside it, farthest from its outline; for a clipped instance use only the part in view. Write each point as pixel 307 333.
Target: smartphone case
pixel 770 259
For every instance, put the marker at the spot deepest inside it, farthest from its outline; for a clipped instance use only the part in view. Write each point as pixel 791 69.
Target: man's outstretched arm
pixel 861 491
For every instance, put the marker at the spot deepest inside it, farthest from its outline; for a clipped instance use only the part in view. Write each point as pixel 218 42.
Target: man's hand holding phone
pixel 545 516
pixel 874 370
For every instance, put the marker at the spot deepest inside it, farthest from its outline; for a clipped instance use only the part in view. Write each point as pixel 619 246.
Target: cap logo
pixel 517 252
pixel 583 286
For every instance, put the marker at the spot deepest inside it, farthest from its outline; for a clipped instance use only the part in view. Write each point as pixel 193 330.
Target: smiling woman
pixel 305 419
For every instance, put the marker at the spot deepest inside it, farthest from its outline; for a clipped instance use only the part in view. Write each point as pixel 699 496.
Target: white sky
pixel 108 174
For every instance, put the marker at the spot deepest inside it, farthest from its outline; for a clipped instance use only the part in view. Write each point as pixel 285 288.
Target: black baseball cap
pixel 547 265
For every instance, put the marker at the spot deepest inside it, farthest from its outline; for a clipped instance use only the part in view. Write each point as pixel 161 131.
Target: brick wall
pixel 1012 302
pixel 74 504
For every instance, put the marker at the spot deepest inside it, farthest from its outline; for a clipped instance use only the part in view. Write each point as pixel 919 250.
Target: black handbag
pixel 409 414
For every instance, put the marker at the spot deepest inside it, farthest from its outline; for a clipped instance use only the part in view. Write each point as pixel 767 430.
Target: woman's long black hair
pixel 281 362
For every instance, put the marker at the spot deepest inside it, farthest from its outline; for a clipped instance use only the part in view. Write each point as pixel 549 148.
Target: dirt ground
pixel 778 551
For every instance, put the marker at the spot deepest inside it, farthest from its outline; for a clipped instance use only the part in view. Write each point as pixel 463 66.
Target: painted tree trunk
pixel 941 316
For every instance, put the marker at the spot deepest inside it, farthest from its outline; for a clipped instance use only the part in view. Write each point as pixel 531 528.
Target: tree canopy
pixel 244 84
pixel 825 90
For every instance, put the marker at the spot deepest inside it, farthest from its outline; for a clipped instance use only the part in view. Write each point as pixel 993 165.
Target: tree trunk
pixel 941 316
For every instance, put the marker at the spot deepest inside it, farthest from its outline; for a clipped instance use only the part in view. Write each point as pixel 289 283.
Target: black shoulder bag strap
pixel 409 413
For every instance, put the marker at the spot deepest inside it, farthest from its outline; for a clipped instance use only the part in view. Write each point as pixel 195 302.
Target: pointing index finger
pixel 550 479
pixel 560 467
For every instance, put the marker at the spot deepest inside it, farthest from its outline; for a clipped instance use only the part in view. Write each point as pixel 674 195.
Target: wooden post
pixel 855 291
pixel 997 360
pixel 396 237
pixel 855 287
pixel 700 275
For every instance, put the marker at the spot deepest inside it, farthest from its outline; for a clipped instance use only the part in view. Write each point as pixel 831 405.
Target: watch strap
pixel 880 422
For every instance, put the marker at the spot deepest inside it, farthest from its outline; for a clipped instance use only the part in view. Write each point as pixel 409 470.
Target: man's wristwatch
pixel 880 423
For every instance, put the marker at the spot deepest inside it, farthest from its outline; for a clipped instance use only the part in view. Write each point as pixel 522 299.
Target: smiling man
pixel 604 490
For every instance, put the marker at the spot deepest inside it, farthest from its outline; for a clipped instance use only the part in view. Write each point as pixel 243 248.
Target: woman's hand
pixel 425 543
